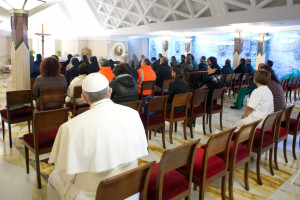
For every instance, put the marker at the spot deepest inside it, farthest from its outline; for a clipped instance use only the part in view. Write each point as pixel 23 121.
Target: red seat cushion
pixel 290 86
pixel 198 110
pixel 267 139
pixel 242 152
pixel 236 84
pixel 283 132
pixel 293 123
pixel 215 107
pixel 176 115
pixel 174 183
pixel 70 105
pixel 46 138
pixel 215 164
pixel 157 118
pixel 17 114
pixel 228 85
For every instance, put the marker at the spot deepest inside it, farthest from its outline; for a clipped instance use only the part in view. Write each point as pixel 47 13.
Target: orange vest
pixel 146 73
pixel 107 72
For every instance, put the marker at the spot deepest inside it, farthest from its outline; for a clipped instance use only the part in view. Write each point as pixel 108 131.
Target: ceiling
pixel 106 18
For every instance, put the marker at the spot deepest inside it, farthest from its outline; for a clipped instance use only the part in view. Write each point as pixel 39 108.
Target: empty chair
pixel 73 107
pixel 165 181
pixel 147 85
pixel 126 184
pixel 136 105
pixel 293 87
pixel 284 84
pixel 198 108
pixel 179 101
pixel 45 127
pixel 53 96
pixel 16 111
pixel 294 130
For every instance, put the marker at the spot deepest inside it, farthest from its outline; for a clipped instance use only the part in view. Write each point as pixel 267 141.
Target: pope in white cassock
pixel 100 143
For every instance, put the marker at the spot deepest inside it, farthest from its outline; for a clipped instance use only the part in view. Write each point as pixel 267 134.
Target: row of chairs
pixel 234 82
pixel 293 87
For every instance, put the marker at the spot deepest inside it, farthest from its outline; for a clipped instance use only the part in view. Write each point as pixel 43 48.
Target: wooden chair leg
pixel 201 193
pixel 184 129
pixel 258 168
pixel 163 137
pixel 155 130
pixel 230 183
pixel 221 113
pixel 203 124
pixel 270 161
pixel 9 132
pixel 291 96
pixel 275 155
pixel 191 127
pixel 171 132
pixel 207 118
pixel 223 187
pixel 149 134
pixel 229 91
pixel 27 159
pixel 146 132
pixel 38 174
pixel 294 146
pixel 246 173
pixel 210 129
pixel 28 123
pixel 284 150
pixel 175 126
pixel 3 129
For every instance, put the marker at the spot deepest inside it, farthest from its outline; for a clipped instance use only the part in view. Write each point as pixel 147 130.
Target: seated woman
pixel 94 67
pixel 179 86
pixel 83 71
pixel 73 71
pixel 213 79
pixel 260 103
pixel 124 87
pixel 50 78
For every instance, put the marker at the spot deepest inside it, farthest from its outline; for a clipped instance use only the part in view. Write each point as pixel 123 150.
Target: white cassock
pixel 102 142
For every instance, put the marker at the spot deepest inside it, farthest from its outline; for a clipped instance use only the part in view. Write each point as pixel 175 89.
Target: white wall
pixel 70 47
pixel 98 47
pixel 137 47
pixel 110 49
pixel 5 48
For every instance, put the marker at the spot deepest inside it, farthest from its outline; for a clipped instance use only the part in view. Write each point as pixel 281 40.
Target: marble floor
pixel 285 184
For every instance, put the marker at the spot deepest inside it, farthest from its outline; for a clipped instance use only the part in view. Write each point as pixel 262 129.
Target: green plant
pixel 76 55
pixel 58 53
pixel 32 52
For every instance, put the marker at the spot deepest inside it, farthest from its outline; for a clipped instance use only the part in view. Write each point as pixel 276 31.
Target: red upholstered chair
pixel 281 133
pixel 126 184
pixel 208 167
pixel 240 154
pixel 284 84
pixel 263 142
pixel 136 105
pixel 157 120
pixel 293 87
pixel 171 117
pixel 218 94
pixel 244 82
pixel 198 108
pixel 165 88
pixel 16 110
pixel 51 95
pixel 228 83
pixel 165 181
pixel 146 85
pixel 236 83
pixel 76 94
pixel 45 127
pixel 294 130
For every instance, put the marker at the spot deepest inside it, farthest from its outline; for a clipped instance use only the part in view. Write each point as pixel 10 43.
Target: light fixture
pixel 262 38
pixel 239 34
pixel 187 40
pixel 20 4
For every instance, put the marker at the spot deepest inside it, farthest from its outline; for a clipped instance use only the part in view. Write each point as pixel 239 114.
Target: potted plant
pixel 32 52
pixel 58 53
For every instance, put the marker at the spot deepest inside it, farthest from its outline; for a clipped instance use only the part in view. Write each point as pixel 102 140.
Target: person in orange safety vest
pixel 145 73
pixel 105 69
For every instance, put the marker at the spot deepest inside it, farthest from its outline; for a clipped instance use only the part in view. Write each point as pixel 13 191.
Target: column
pixel 188 45
pixel 261 49
pixel 238 49
pixel 165 47
pixel 20 50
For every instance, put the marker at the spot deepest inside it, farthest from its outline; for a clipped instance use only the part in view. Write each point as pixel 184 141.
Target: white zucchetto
pixel 94 82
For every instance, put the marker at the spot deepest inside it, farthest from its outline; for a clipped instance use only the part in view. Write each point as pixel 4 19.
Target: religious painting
pixel 118 50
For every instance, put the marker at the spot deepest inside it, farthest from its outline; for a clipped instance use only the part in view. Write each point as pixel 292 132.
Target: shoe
pixel 233 107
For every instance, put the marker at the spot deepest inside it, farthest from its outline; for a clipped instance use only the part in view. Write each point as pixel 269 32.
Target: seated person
pixel 250 69
pixel 174 61
pixel 84 60
pixel 187 65
pixel 66 63
pixel 162 73
pixel 124 87
pixel 73 71
pixel 83 71
pixel 227 68
pixel 203 64
pixel 38 59
pixel 213 79
pixel 94 66
pixel 50 78
pixel 179 86
pixel 133 72
pixel 260 103
pixel 241 68
pixel 34 68
pixel 106 70
pixel 102 142
pixel 145 73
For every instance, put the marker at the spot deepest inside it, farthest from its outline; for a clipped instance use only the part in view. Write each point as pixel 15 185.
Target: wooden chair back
pixel 157 103
pixel 237 77
pixel 136 105
pixel 285 83
pixel 180 100
pixel 147 85
pixel 175 158
pixel 165 86
pixel 199 99
pixel 217 94
pixel 51 95
pixel 283 119
pixel 270 123
pixel 224 77
pixel 294 81
pixel 77 93
pixel 126 184
pixel 245 79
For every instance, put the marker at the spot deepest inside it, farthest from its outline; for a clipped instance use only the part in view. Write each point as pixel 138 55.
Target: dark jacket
pixel 156 65
pixel 94 66
pixel 203 65
pixel 63 66
pixel 162 73
pixel 227 69
pixel 73 71
pixel 176 87
pixel 34 68
pixel 174 62
pixel 133 72
pixel 241 69
pixel 250 70
pixel 84 60
pixel 124 89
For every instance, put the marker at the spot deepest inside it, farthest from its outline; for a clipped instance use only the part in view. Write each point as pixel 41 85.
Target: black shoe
pixel 233 107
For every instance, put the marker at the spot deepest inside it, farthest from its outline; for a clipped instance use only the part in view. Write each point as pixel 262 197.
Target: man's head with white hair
pixel 95 87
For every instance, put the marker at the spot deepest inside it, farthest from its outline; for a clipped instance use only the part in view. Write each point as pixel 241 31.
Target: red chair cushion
pixel 198 110
pixel 283 132
pixel 215 107
pixel 293 124
pixel 26 112
pixel 70 105
pixel 176 115
pixel 46 138
pixel 174 183
pixel 242 152
pixel 228 85
pixel 157 118
pixel 215 164
pixel 290 86
pixel 267 139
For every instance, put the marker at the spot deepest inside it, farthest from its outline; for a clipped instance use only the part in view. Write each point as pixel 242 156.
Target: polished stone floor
pixel 285 184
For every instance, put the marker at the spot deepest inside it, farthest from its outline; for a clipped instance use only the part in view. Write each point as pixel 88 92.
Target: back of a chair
pixel 218 94
pixel 199 98
pixel 245 78
pixel 52 95
pixel 147 85
pixel 175 158
pixel 77 92
pixel 270 123
pixel 136 105
pixel 237 77
pixel 157 103
pixel 180 100
pixel 286 83
pixel 224 77
pixel 228 80
pixel 165 86
pixel 126 184
pixel 48 120
pixel 283 119
pixel 18 97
